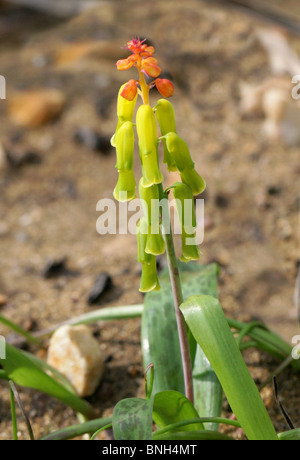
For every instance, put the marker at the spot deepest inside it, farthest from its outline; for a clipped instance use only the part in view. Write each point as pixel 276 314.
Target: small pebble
pixel 221 201
pixel 75 353
pixel 102 285
pixel 94 141
pixel 274 190
pixel 18 157
pixel 34 108
pixel 3 300
pixel 55 268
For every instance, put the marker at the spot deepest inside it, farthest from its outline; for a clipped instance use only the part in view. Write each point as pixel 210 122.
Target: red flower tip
pixel 136 45
pixel 165 87
pixel 151 67
pixel 130 90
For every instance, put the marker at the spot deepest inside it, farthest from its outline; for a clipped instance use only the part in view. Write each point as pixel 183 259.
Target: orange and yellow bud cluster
pixel 142 58
pixel 176 156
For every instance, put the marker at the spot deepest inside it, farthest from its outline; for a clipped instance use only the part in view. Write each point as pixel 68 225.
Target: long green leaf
pixel 74 431
pixel 14 327
pixel 13 413
pixel 175 427
pixel 202 435
pixel 170 407
pixel 132 419
pixel 24 371
pixel 291 435
pixel 208 394
pixel 205 318
pixel 102 314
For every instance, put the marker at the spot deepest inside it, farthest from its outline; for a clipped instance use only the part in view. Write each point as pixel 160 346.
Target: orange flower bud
pixel 124 64
pixel 151 68
pixel 147 51
pixel 165 87
pixel 130 90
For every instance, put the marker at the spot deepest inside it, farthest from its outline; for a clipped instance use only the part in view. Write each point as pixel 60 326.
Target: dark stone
pixel 221 201
pixel 94 141
pixel 18 159
pixel 102 285
pixel 274 190
pixel 55 268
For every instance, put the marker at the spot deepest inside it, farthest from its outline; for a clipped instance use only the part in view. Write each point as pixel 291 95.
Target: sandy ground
pixel 48 210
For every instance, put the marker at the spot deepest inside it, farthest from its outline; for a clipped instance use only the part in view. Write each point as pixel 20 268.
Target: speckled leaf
pixel 132 419
pixel 160 342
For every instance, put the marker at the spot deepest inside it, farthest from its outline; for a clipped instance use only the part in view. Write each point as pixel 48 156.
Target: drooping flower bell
pixel 148 145
pixel 125 188
pixel 184 200
pixel 125 111
pixel 149 279
pixel 165 115
pixel 150 204
pixel 179 151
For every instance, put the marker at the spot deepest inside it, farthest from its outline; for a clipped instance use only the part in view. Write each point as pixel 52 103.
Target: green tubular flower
pixel 147 134
pixel 165 115
pixel 150 203
pixel 186 213
pixel 125 111
pixel 179 151
pixel 149 279
pixel 126 185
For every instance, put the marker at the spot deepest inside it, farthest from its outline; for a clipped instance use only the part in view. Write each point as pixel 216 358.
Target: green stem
pixel 178 300
pixel 13 414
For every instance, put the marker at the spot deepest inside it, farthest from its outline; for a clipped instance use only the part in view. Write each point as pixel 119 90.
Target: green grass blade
pixel 103 428
pixel 13 414
pixel 132 419
pixel 267 340
pixel 203 420
pixel 24 371
pixel 103 314
pixel 170 407
pixel 14 327
pixel 202 435
pixel 205 318
pixel 208 393
pixel 291 435
pixel 75 431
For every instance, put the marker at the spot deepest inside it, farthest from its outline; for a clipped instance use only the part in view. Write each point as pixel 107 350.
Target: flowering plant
pixel 191 353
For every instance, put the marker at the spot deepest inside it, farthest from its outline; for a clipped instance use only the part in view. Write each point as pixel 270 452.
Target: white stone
pixel 76 354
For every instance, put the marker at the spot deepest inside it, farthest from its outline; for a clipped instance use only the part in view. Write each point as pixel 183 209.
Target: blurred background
pixel 232 64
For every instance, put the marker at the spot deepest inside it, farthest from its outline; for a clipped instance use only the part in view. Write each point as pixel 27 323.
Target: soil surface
pixel 51 186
